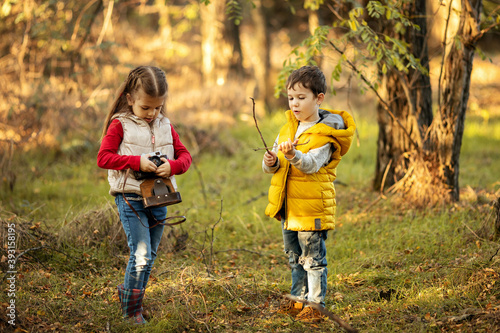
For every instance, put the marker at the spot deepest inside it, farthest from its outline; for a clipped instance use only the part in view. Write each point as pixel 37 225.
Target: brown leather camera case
pixel 159 192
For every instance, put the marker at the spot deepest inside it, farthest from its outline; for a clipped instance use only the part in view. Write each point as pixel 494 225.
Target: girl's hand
pixel 147 165
pixel 164 170
pixel 270 158
pixel 288 148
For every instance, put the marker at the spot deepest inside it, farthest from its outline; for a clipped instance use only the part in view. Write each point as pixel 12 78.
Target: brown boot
pixel 290 307
pixel 310 315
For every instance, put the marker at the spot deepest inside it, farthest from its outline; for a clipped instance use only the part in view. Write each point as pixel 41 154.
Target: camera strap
pixel 180 218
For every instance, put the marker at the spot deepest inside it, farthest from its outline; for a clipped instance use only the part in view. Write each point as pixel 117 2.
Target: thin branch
pixel 78 49
pixel 472 231
pixel 493 256
pixel 349 106
pixel 245 250
pixel 77 22
pixel 381 100
pixel 334 12
pixel 488 28
pixel 36 249
pixel 24 45
pixel 29 250
pixel 255 119
pixel 209 260
pixel 202 183
pixel 105 25
pixel 190 314
pixel 262 194
pixel 295 145
pixel 384 177
pixel 406 89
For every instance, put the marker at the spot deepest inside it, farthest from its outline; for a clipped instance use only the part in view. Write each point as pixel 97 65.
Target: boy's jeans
pixel 143 242
pixel 306 252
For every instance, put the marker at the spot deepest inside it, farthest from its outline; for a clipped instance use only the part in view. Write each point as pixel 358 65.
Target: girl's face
pixel 145 106
pixel 303 103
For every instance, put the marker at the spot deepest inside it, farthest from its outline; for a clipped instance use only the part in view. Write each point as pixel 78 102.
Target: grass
pixel 391 268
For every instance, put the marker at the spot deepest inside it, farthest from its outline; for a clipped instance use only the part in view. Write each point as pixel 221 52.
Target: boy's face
pixel 303 103
pixel 145 106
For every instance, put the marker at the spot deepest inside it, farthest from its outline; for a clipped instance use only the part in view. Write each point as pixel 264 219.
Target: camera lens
pixel 156 160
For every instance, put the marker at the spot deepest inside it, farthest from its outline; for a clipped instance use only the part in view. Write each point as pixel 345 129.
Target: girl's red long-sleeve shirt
pixel 107 158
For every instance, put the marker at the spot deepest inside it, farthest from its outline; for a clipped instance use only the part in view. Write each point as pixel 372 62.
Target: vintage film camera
pixel 154 157
pixel 157 191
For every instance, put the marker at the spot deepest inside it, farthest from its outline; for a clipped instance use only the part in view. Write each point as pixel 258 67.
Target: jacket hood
pixel 333 120
pixel 335 123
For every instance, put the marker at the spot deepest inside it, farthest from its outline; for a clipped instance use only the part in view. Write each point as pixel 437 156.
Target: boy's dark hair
pixel 310 77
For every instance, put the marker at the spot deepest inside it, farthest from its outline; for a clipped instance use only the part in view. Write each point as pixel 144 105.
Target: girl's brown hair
pixel 151 80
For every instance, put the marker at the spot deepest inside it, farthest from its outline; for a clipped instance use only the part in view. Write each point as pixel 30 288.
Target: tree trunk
pixel 260 55
pixel 417 154
pixel 496 205
pixel 409 96
pixel 448 128
pixel 165 25
pixel 221 50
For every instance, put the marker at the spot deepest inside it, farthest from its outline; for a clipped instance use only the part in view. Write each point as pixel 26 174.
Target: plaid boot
pixel 131 302
pixel 120 291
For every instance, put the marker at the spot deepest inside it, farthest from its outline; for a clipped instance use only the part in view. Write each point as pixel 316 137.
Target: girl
pixel 135 126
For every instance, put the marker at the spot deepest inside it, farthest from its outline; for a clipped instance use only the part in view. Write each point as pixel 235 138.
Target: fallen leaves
pixel 352 279
pixel 35 226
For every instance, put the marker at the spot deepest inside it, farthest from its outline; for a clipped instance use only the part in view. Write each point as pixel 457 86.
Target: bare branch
pixel 381 100
pixel 295 145
pixel 229 250
pixel 255 119
pixel 488 28
pixel 208 259
pixel 493 256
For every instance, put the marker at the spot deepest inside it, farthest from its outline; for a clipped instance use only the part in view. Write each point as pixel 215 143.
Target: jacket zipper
pixel 152 138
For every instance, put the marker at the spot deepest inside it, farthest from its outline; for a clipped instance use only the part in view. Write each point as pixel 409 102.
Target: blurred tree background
pixel 409 70
pixel 61 61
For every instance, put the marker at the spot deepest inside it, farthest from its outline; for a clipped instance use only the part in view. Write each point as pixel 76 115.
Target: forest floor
pixel 392 268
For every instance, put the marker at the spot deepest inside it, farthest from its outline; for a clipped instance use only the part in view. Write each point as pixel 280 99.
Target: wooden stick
pixel 295 145
pixel 325 312
pixel 255 119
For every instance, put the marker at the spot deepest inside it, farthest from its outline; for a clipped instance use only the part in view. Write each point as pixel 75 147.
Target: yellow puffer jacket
pixel 309 199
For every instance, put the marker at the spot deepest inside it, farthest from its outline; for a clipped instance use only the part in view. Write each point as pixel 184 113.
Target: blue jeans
pixel 306 253
pixel 143 242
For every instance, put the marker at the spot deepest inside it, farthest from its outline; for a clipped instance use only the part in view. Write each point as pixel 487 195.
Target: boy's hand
pixel 288 148
pixel 164 170
pixel 147 165
pixel 270 158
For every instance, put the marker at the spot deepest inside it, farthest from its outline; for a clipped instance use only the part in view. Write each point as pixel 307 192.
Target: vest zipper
pixel 152 138
pixel 285 199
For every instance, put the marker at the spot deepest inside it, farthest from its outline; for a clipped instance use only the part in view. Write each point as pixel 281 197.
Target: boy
pixel 302 195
